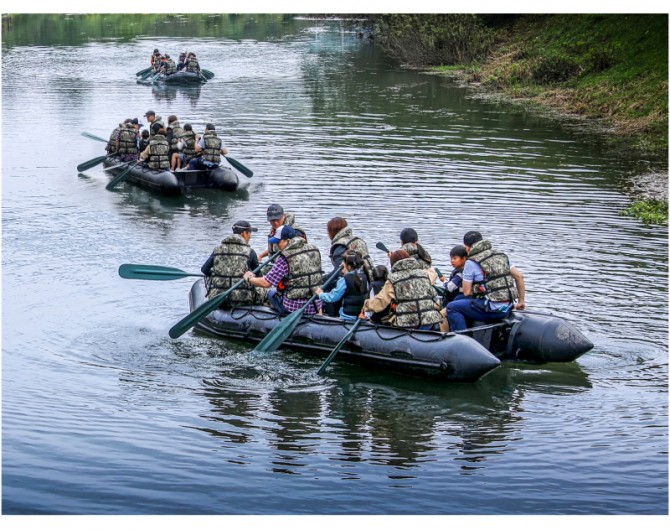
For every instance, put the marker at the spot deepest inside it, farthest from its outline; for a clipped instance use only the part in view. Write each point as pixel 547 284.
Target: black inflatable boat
pixel 463 356
pixel 220 178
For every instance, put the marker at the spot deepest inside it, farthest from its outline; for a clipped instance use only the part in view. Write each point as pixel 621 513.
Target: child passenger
pixel 453 288
pixel 352 288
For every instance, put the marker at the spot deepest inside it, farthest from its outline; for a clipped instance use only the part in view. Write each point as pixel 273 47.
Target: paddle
pixel 440 290
pixel 339 346
pixel 205 309
pixel 144 71
pixel 121 176
pixel 132 271
pixel 283 330
pixel 93 162
pixel 93 137
pixel 207 73
pixel 240 167
pixel 381 246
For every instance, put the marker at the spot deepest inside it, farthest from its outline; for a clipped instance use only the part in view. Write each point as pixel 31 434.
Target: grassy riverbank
pixel 609 70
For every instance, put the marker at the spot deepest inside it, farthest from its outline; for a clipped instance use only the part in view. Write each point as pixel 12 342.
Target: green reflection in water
pixel 76 30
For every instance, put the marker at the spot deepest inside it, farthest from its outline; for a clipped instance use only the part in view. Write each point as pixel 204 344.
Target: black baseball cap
pixel 275 212
pixel 243 226
pixel 149 113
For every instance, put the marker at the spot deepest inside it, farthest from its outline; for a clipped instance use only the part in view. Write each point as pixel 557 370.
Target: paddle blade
pixel 132 271
pixel 93 137
pixel 240 167
pixel 207 74
pixel 144 71
pixel 91 163
pixel 280 333
pixel 119 178
pixel 339 346
pixel 381 246
pixel 193 318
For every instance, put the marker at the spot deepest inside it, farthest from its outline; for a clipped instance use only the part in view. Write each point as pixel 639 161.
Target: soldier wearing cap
pixel 229 262
pixel 295 274
pixel 126 140
pixel 151 117
pixel 277 218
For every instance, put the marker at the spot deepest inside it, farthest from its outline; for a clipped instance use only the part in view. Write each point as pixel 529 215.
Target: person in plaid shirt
pixel 291 289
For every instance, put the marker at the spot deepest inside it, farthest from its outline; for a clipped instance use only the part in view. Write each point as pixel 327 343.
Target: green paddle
pixel 207 73
pixel 205 309
pixel 93 137
pixel 283 330
pixel 240 167
pixel 132 271
pixel 381 246
pixel 93 162
pixel 121 176
pixel 142 72
pixel 339 346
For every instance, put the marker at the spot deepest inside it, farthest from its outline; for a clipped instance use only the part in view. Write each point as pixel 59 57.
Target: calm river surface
pixel 102 413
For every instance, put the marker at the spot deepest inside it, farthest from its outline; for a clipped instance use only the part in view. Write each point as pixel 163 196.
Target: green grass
pixel 603 66
pixel 649 211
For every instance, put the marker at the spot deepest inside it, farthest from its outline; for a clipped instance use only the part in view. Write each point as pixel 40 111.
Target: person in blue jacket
pixel 352 288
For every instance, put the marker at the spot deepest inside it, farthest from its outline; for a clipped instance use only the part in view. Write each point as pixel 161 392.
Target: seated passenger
pixel 156 153
pixel 379 276
pixel 143 140
pixel 209 150
pixel 409 293
pixel 277 218
pixel 352 288
pixel 490 285
pixel 228 264
pixel 294 276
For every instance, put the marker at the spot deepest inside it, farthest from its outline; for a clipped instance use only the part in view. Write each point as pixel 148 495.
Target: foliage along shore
pixel 610 70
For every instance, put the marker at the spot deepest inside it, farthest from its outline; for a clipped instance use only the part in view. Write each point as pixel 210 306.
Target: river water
pixel 102 413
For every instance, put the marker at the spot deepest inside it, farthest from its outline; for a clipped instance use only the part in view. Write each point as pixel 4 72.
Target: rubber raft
pixel 176 183
pixel 178 78
pixel 463 357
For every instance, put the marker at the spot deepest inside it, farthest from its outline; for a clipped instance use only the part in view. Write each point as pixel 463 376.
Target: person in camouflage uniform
pixel 156 153
pixel 410 243
pixel 127 140
pixel 492 287
pixel 151 117
pixel 111 143
pixel 410 294
pixel 227 265
pixel 295 274
pixel 343 239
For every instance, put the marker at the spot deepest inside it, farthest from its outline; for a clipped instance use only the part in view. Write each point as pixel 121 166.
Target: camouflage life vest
pixel 177 133
pixel 498 284
pixel 158 153
pixel 346 238
pixel 419 254
pixel 189 144
pixel 231 261
pixel 304 268
pixel 353 299
pixel 159 121
pixel 128 140
pixel 170 67
pixel 111 144
pixel 414 295
pixel 212 151
pixel 192 65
